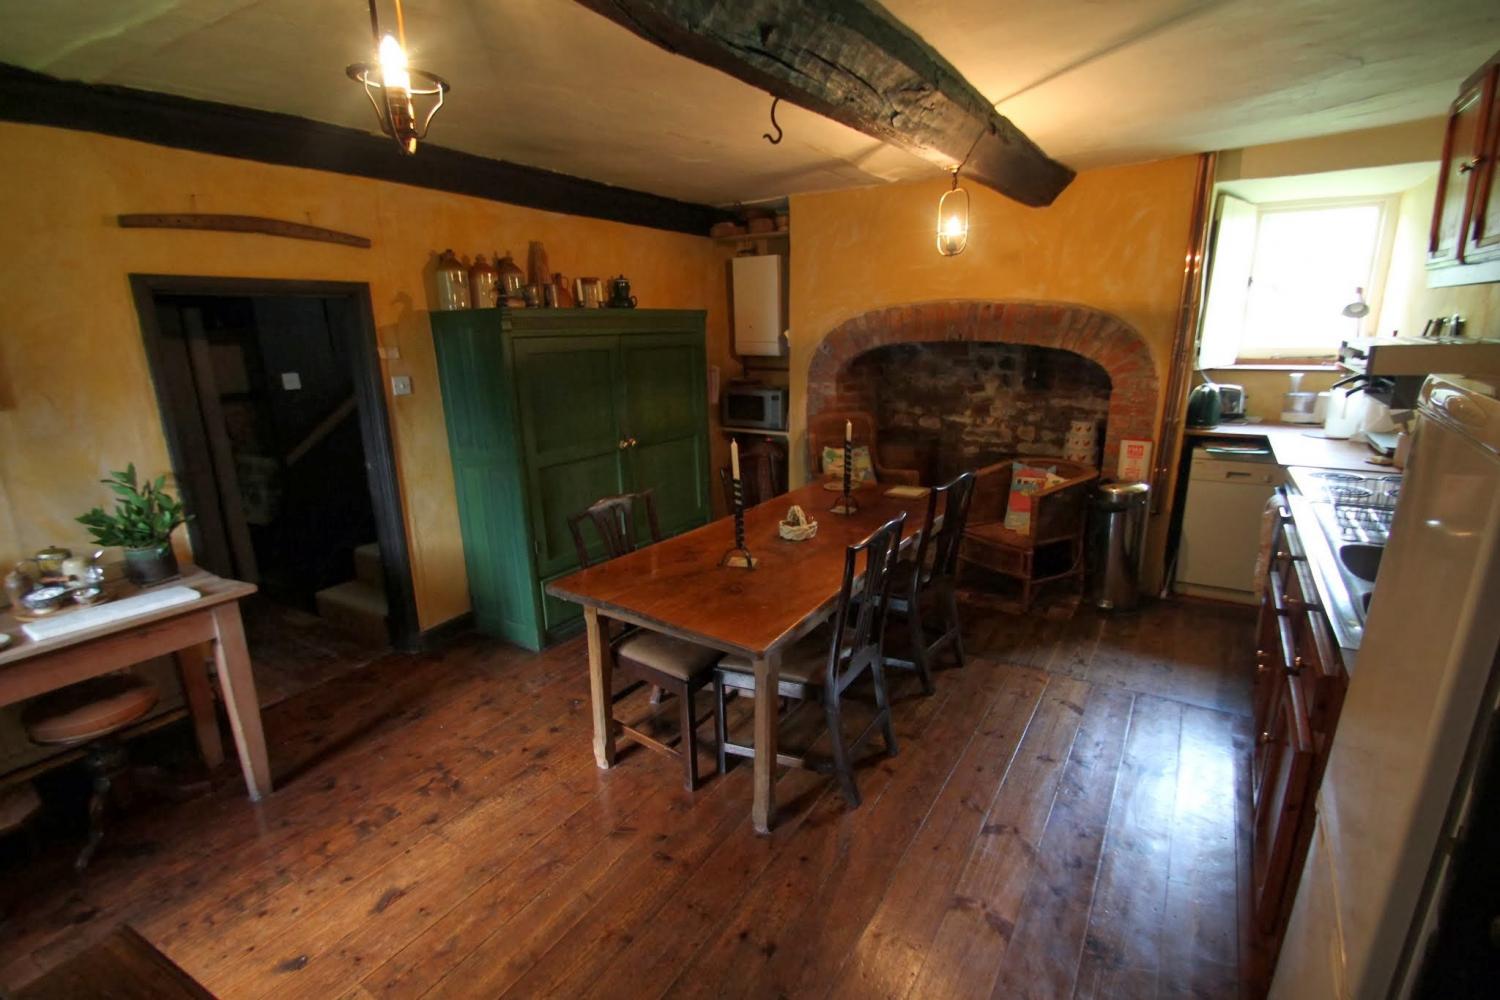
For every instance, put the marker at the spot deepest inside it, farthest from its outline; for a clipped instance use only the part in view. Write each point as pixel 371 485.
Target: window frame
pixel 1389 206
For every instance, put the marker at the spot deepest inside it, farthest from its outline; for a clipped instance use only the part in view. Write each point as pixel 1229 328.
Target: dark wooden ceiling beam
pixel 851 61
pixel 268 137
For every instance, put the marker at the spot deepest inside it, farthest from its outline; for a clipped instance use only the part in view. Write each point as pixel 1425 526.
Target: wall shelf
pixel 756 431
pixel 775 234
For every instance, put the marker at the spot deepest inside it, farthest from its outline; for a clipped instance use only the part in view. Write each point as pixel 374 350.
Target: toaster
pixel 1231 402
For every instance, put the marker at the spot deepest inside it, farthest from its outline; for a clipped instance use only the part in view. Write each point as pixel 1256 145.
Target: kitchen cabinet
pixel 547 411
pixel 1298 692
pixel 1283 794
pixel 1464 240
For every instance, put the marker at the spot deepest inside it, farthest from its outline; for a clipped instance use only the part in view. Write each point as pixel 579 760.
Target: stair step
pixel 356 607
pixel 367 565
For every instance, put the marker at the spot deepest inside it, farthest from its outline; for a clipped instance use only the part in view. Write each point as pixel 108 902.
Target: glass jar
pixel 452 282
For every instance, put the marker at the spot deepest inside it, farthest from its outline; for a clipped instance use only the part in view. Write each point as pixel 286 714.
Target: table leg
pixel 767 676
pixel 192 664
pixel 601 687
pixel 238 686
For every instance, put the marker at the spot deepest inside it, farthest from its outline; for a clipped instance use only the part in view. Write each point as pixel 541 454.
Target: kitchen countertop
pixel 1301 444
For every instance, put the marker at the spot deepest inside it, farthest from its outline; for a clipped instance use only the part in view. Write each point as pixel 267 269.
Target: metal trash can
pixel 1117 533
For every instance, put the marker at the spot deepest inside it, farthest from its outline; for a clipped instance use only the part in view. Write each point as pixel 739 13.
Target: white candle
pixel 734 459
pixel 848 430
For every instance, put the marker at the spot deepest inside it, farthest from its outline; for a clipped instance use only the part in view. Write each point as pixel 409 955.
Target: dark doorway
pixel 275 415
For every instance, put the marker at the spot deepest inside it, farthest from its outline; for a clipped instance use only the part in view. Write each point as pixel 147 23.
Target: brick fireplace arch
pixel 1105 339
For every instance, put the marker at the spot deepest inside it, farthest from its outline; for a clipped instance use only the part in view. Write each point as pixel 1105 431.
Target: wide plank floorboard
pixel 1065 817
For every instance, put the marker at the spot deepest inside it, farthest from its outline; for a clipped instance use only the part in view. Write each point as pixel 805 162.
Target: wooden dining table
pixel 678 587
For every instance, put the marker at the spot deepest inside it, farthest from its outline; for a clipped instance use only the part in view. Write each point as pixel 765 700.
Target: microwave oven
pixel 754 406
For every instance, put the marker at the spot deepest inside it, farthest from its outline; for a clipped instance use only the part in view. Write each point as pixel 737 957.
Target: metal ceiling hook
pixel 779 134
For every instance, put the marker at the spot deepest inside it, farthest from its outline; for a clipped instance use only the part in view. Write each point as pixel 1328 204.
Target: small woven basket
pixel 797 526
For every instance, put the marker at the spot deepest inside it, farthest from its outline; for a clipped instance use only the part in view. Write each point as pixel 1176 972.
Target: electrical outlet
pixel 400 385
pixel 291 380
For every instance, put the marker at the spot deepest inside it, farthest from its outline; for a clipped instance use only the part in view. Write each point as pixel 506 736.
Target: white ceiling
pixel 550 84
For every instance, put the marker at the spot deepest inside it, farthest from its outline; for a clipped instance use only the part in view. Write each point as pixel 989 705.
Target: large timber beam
pixel 851 61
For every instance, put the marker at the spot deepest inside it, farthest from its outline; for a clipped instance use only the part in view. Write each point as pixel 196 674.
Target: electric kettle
pixel 1205 406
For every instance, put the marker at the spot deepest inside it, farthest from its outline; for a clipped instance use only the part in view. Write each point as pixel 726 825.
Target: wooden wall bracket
pixel 241 224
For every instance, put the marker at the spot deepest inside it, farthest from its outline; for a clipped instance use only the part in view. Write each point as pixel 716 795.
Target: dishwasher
pixel 1228 486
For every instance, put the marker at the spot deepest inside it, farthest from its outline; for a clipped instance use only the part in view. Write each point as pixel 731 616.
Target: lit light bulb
pixel 953 220
pixel 393 72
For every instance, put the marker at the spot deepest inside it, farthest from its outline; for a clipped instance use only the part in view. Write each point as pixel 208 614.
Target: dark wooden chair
pixel 1053 547
pixel 932 579
pixel 823 664
pixel 827 430
pixel 762 475
pixel 88 715
pixel 643 657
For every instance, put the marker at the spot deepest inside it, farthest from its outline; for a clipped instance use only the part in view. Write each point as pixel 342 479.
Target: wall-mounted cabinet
pixel 1464 243
pixel 547 411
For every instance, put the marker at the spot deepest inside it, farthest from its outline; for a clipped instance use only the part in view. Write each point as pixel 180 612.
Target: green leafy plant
pixel 144 516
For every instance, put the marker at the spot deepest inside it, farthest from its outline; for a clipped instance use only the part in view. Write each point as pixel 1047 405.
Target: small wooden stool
pixel 88 714
pixel 18 804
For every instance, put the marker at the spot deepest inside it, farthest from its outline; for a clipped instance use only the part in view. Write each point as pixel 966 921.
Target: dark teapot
pixel 619 293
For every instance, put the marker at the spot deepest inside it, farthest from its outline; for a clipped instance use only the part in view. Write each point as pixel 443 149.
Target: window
pixel 1283 273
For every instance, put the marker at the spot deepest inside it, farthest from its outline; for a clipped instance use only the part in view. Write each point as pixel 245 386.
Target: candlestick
pixel 734 460
pixel 739 556
pixel 846 504
pixel 848 431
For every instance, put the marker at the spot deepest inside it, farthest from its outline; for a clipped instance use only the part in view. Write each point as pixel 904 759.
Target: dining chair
pixel 823 664
pixel 933 579
pixel 643 657
pixel 762 476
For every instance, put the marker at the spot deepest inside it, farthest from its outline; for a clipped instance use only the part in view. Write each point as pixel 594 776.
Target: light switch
pixel 291 380
pixel 400 385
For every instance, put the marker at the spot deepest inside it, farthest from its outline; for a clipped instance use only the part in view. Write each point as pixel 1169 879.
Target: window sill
pixel 1255 366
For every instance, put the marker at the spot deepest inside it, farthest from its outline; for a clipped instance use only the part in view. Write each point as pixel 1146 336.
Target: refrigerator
pixel 1420 706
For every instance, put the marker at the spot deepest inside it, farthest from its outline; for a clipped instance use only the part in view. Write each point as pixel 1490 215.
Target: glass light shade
pixel 953 222
pixel 405 109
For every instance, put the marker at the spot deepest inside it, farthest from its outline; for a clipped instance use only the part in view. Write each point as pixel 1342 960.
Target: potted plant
pixel 144 518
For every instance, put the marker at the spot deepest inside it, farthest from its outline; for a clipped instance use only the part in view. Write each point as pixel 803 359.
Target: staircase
pixel 358 606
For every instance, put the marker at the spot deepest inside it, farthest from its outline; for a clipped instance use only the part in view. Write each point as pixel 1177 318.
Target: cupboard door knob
pixel 624 444
pixel 633 442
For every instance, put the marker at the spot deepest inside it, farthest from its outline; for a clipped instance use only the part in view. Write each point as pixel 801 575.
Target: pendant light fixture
pixel 388 84
pixel 953 220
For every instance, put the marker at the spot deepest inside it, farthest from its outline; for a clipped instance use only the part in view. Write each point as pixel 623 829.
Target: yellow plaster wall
pixel 1115 240
pixel 75 392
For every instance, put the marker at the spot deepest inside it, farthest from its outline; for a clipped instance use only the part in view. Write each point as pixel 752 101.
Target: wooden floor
pixel 1065 818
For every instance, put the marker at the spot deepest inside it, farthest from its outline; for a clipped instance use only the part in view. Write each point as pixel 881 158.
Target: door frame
pixel 369 392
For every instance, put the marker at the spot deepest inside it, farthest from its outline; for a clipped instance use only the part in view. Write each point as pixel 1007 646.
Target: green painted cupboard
pixel 549 410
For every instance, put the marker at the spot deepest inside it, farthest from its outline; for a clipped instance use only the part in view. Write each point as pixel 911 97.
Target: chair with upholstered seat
pixel 823 664
pixel 88 715
pixel 1051 549
pixel 826 430
pixel 643 657
pixel 931 580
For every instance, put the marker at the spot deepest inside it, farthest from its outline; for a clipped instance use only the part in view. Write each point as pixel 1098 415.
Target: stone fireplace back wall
pixel 965 404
